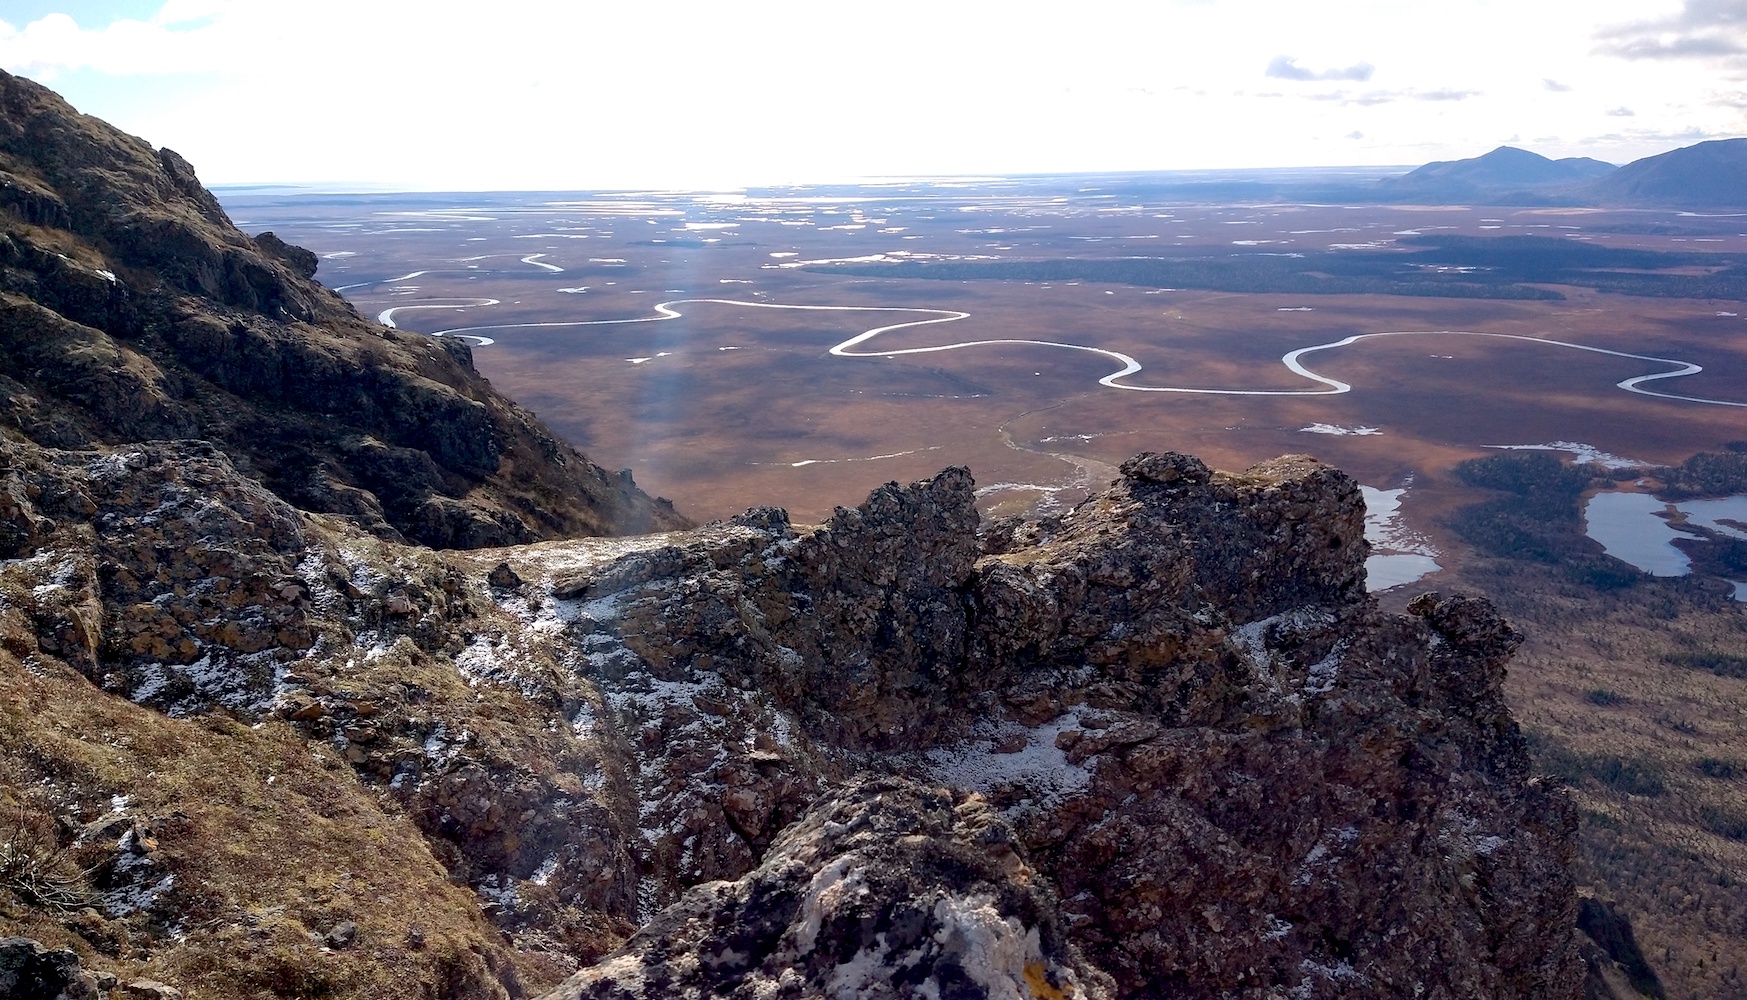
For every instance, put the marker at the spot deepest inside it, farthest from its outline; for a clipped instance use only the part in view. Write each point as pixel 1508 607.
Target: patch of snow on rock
pixel 1039 767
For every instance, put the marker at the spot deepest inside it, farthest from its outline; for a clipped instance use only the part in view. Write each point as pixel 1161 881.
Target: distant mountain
pixel 1508 165
pixel 1707 175
pixel 1506 174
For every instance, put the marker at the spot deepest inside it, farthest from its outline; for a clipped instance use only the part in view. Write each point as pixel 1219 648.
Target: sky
pixel 580 94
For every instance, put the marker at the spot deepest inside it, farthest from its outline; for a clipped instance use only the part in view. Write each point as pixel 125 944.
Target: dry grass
pixel 272 841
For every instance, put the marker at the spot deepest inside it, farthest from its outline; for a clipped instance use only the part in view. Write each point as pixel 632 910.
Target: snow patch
pixel 1338 429
pixel 1581 454
pixel 137 890
pixel 1039 768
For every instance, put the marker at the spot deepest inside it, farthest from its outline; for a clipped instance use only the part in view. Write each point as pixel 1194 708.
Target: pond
pixel 1639 529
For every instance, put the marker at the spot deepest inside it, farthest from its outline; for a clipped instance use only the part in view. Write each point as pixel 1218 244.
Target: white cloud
pixel 544 93
pixel 1287 68
pixel 1711 30
pixel 52 45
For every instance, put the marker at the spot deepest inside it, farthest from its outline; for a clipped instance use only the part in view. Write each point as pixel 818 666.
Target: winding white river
pixel 386 316
pixel 1292 359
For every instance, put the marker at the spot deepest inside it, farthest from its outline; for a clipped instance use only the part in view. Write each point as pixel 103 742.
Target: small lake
pixel 1628 529
pixel 1636 528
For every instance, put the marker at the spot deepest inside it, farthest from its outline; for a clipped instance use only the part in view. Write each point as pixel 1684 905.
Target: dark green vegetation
pixel 1708 474
pixel 1630 692
pixel 1627 775
pixel 1537 516
pixel 1717 662
pixel 1724 822
pixel 1722 770
pixel 1505 267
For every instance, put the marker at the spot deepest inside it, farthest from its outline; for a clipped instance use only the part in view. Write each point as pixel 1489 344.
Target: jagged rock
pixel 179 595
pixel 1225 771
pixel 28 971
pixel 150 989
pixel 886 889
pixel 302 262
pixel 1239 776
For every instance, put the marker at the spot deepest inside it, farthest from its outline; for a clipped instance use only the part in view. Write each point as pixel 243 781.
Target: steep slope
pixel 1706 175
pixel 1506 175
pixel 131 309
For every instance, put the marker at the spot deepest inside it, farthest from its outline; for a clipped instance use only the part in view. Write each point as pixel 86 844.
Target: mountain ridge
pixel 1705 175
pixel 1507 167
pixel 133 309
pixel 1711 174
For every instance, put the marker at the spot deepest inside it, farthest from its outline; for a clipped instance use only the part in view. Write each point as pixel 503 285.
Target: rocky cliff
pixel 255 741
pixel 1162 746
pixel 131 309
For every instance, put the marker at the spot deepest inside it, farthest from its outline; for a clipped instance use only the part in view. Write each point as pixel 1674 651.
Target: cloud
pixel 175 41
pixel 1703 46
pixel 1555 86
pixel 1287 68
pixel 1355 135
pixel 1659 137
pixel 1371 98
pixel 1702 29
pixel 1622 113
pixel 1445 94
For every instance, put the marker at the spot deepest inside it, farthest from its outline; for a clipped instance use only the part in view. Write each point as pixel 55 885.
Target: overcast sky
pixel 558 94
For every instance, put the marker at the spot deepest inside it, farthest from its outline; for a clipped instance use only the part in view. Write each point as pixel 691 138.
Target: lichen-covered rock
pixel 1240 777
pixel 172 579
pixel 885 889
pixel 1200 762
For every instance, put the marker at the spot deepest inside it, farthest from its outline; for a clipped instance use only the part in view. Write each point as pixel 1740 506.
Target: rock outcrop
pixel 1235 775
pixel 1163 745
pixel 887 889
pixel 131 309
